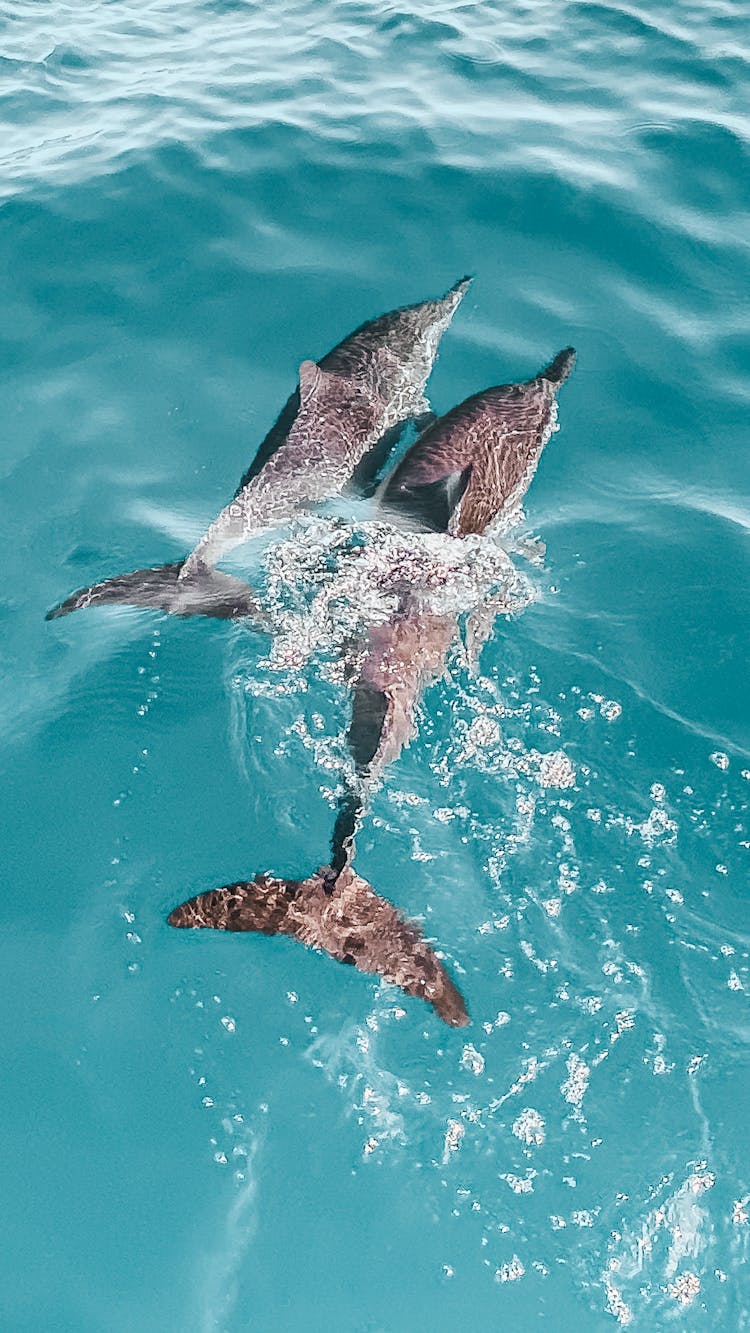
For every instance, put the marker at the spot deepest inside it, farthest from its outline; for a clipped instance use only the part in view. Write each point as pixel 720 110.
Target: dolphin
pixel 350 405
pixel 463 474
pixel 476 463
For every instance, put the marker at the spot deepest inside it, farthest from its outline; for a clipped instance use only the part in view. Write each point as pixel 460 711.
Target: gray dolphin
pixel 354 401
pixel 463 473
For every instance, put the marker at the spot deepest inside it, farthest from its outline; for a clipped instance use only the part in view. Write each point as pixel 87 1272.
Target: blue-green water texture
pixel 203 1131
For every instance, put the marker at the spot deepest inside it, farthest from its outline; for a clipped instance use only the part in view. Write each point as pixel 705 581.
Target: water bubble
pixel 472 1060
pixel 510 1272
pixel 685 1288
pixel 529 1127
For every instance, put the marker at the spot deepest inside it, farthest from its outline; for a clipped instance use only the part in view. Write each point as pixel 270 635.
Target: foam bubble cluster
pixel 329 580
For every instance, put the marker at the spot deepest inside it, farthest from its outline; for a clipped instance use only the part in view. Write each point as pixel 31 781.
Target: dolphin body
pixel 476 462
pixel 463 473
pixel 350 405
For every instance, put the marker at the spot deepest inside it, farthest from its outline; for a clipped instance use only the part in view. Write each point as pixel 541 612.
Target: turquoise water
pixel 210 1132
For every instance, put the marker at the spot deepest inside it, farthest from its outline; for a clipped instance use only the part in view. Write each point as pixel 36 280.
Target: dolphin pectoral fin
pixel 143 587
pixel 208 593
pixel 345 919
pixel 221 596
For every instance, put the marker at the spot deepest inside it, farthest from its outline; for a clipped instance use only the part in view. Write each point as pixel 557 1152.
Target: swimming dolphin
pixel 489 445
pixel 476 462
pixel 354 401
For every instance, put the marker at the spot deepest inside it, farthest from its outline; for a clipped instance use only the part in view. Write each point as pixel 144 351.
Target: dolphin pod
pixel 483 455
pixel 464 471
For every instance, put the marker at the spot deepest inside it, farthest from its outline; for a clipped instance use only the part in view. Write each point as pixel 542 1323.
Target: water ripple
pixel 232 1130
pixel 112 80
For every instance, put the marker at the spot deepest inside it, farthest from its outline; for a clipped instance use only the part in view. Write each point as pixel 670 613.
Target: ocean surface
pixel 207 1132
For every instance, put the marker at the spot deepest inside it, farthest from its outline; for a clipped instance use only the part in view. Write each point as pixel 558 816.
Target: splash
pixel 330 580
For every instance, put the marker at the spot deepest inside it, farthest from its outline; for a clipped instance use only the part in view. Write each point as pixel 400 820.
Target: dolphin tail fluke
pixel 344 918
pixel 209 593
pixel 558 370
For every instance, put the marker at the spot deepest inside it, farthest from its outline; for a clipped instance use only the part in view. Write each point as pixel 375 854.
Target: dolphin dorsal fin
pixel 310 376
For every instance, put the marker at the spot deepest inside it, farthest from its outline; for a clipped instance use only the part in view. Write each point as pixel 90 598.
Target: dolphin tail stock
pixel 342 917
pixel 207 593
pixel 560 367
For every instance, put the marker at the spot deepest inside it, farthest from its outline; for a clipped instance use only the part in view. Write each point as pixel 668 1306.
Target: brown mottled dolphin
pixel 344 408
pixel 470 467
pixel 476 462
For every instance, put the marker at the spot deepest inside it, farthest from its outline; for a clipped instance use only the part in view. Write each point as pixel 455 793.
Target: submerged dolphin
pixel 471 466
pixel 355 399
